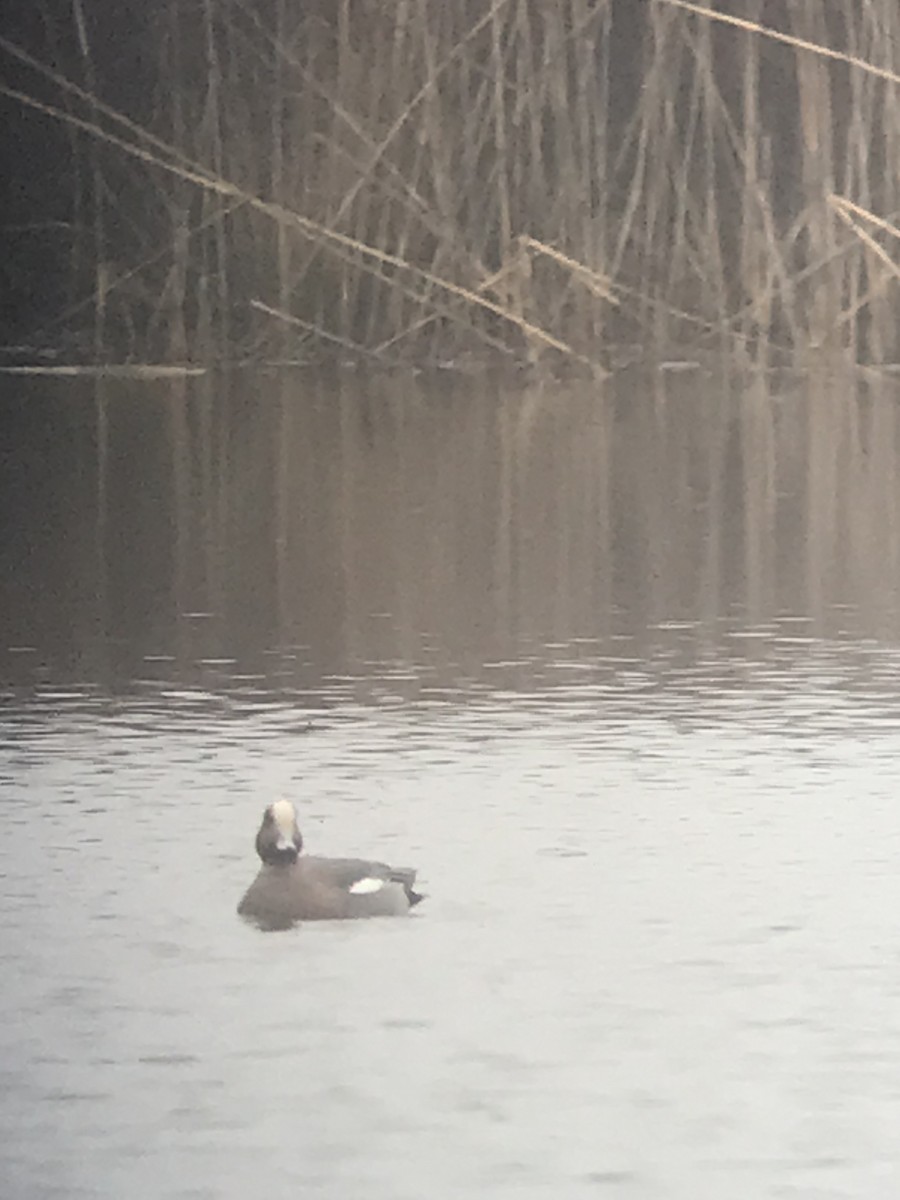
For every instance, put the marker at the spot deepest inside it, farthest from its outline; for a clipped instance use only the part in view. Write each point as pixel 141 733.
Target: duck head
pixel 279 841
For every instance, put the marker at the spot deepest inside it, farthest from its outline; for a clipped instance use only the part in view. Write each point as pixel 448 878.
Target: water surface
pixel 617 669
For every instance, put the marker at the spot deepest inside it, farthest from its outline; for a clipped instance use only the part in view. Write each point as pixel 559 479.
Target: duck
pixel 292 886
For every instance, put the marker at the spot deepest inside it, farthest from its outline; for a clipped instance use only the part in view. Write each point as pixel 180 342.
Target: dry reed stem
pixel 67 85
pixel 597 284
pixel 115 371
pixel 408 331
pixel 787 39
pixel 309 327
pixel 846 209
pixel 842 204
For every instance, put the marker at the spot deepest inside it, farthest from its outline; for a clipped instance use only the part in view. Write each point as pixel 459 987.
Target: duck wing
pixel 360 876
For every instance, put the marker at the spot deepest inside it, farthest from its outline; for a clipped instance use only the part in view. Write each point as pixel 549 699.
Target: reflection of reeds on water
pixel 426 181
pixel 360 522
pixel 476 522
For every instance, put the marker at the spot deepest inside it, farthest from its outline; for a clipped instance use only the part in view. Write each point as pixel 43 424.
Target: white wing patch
pixel 367 885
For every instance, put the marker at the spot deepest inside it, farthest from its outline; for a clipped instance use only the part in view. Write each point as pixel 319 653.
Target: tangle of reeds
pixel 428 181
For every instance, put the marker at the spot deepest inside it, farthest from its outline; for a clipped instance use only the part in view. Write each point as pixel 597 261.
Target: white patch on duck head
pixel 284 818
pixel 366 886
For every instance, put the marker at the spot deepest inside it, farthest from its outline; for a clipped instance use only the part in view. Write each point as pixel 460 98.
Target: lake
pixel 616 666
